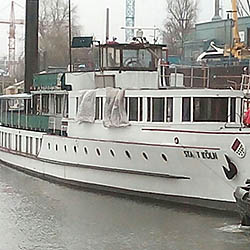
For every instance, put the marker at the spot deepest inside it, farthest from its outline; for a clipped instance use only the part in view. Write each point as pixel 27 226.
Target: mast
pixel 31 43
pixel 236 36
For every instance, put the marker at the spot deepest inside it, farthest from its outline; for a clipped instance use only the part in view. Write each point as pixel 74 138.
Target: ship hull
pixel 193 174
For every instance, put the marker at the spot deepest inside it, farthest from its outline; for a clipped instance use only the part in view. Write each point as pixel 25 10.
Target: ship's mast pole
pixel 31 42
pixel 70 38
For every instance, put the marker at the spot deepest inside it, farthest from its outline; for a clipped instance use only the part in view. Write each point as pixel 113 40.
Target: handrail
pixel 164 78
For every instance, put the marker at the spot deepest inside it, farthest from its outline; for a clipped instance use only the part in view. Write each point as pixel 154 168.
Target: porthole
pixel 75 149
pixel 56 147
pixel 176 140
pixel 164 157
pixel 145 156
pixel 48 145
pixel 65 148
pixel 98 152
pixel 85 150
pixel 112 152
pixel 128 154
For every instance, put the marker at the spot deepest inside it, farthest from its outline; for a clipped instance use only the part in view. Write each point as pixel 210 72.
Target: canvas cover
pixel 114 109
pixel 87 107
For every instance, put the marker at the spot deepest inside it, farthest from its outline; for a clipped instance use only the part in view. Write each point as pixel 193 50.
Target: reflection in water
pixel 38 215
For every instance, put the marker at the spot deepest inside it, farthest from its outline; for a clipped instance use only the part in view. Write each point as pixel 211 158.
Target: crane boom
pixel 236 35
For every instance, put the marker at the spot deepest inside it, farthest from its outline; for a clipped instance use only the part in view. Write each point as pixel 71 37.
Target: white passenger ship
pixel 131 128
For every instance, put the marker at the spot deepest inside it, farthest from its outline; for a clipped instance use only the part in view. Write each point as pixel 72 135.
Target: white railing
pixel 165 75
pixel 245 83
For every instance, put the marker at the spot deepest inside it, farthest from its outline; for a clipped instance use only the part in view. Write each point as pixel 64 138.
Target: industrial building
pixel 218 30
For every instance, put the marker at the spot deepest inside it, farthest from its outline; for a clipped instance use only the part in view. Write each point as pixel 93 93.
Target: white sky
pixel 92 13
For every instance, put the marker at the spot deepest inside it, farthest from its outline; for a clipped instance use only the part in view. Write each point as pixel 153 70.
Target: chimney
pixel 107 25
pixel 216 11
pixel 31 43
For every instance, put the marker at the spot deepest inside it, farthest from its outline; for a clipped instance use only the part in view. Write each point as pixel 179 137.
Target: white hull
pixel 185 172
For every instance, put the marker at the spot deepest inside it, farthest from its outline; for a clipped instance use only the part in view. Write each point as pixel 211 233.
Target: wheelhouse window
pixel 186 109
pixel 160 109
pixel 210 109
pixel 137 58
pixel 111 58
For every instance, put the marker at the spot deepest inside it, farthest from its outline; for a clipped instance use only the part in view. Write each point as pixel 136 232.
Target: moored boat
pixel 242 197
pixel 129 127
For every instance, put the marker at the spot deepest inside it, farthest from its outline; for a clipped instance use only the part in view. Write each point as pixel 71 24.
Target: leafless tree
pixel 53 29
pixel 243 7
pixel 181 17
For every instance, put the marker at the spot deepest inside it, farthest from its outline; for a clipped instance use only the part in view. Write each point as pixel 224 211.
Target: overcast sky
pixel 149 13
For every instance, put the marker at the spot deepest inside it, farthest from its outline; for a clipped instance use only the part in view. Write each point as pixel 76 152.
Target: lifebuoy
pixel 246 118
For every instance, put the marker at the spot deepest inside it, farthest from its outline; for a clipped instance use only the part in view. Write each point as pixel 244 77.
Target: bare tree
pixel 181 17
pixel 243 7
pixel 53 28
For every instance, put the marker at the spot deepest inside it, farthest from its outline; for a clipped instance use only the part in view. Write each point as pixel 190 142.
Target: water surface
pixel 38 215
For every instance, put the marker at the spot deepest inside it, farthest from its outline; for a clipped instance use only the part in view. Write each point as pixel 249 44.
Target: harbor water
pixel 38 215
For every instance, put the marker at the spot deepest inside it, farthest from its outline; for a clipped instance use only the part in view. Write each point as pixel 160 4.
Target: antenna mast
pixel 130 19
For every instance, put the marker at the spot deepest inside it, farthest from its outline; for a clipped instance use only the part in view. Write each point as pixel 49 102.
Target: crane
pixel 12 39
pixel 130 19
pixel 239 50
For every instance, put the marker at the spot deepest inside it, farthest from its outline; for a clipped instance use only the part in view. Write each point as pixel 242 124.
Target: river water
pixel 38 215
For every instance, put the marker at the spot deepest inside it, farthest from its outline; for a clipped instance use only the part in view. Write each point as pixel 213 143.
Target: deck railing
pixel 186 76
pixel 245 83
pixel 17 120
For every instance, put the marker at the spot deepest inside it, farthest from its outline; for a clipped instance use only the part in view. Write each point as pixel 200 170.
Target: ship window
pixel 99 108
pixel 37 104
pixel 86 150
pixel 133 108
pixel 145 155
pixel 158 109
pixel 77 104
pixel 75 149
pixel 5 140
pixel 128 154
pixel 149 118
pixel 37 145
pixel 113 57
pixel 9 138
pixel 137 58
pixel 210 109
pixel 2 139
pixel 27 144
pixel 56 147
pixel 16 142
pixel 65 148
pixel 31 145
pixel 164 157
pixel 233 110
pixel 20 143
pixel 48 145
pixel 186 112
pixel 65 106
pixel 45 104
pixel 59 104
pixel 98 151
pixel 169 110
pixel 112 152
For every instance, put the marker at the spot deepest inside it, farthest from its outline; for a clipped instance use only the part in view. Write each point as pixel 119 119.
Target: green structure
pixel 217 30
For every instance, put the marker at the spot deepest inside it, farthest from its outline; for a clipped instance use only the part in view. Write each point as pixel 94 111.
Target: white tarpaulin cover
pixel 114 110
pixel 86 107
